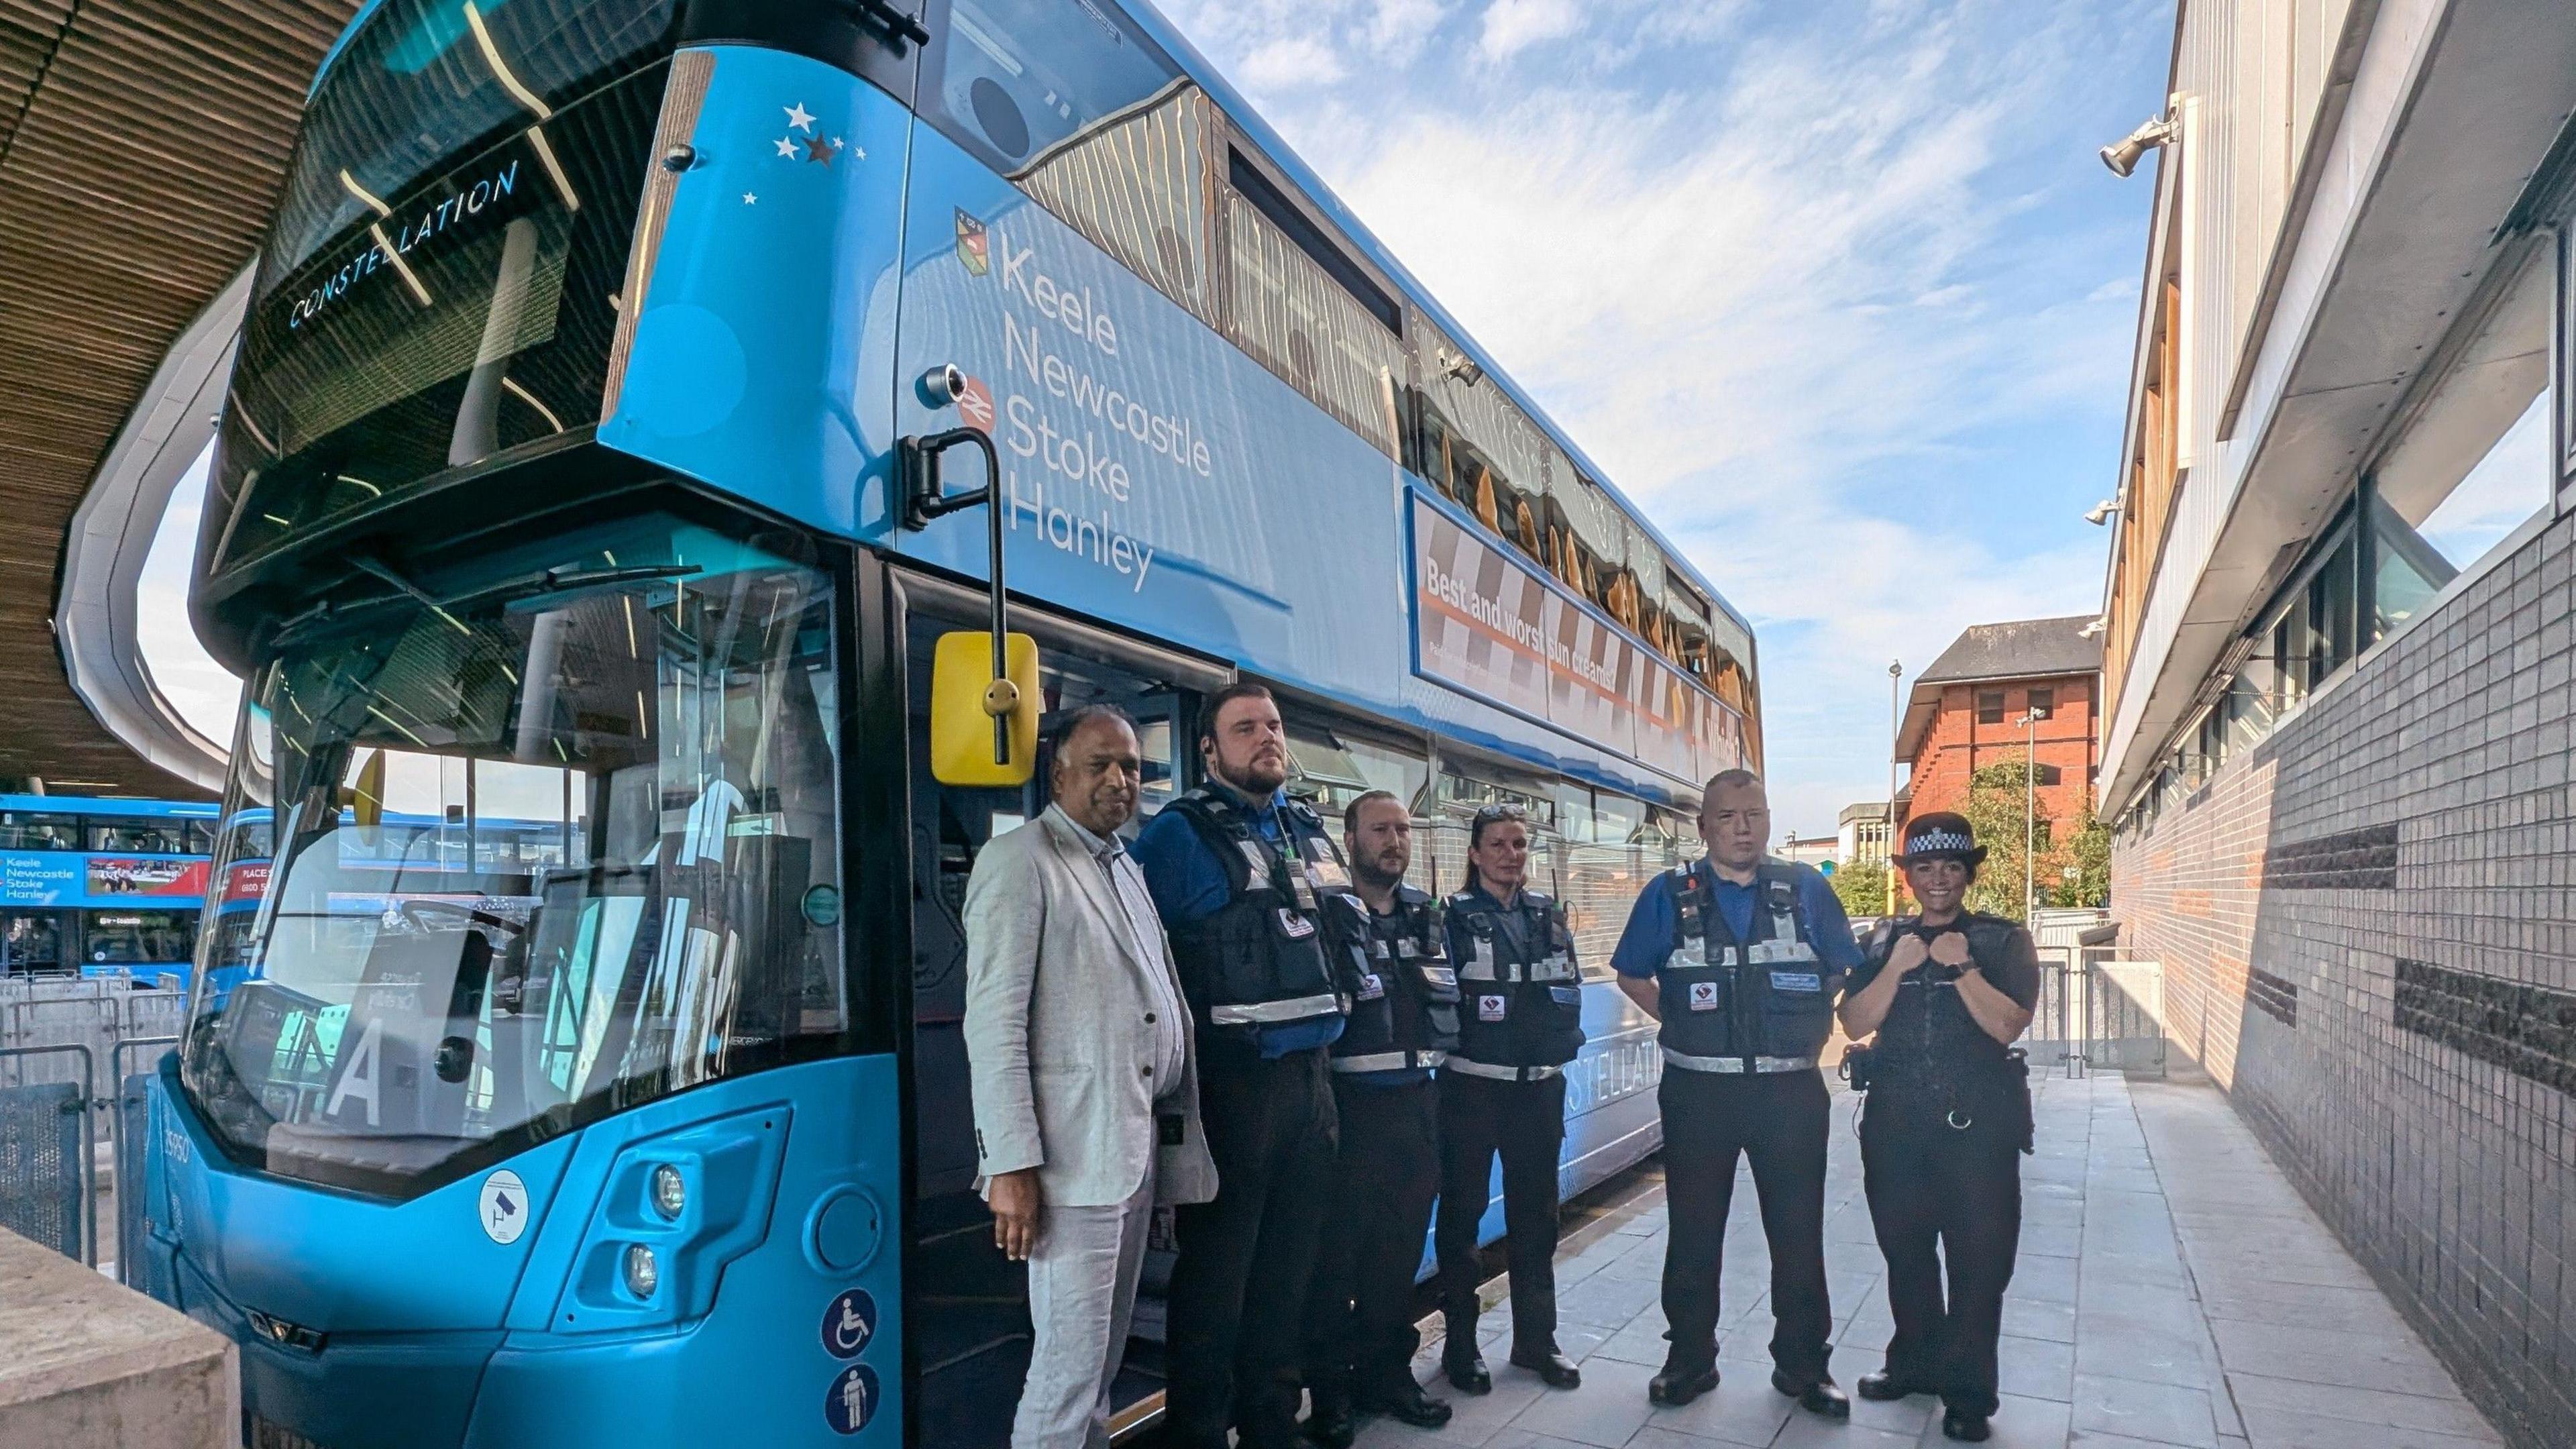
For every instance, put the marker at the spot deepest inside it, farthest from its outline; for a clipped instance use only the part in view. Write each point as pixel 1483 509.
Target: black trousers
pixel 1359 1312
pixel 1239 1278
pixel 1780 1121
pixel 1929 1185
pixel 1523 1122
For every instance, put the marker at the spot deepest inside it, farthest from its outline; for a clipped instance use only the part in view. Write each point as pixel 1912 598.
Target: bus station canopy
pixel 141 146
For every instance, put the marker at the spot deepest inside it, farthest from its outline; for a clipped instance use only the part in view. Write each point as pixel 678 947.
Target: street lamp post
pixel 2030 817
pixel 1895 730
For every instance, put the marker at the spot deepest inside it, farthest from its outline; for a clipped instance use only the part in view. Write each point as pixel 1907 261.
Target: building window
pixel 2048 774
pixel 1990 706
pixel 2043 702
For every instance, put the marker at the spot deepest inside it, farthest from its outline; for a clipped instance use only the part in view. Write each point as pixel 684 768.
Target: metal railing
pixel 48 1164
pixel 2097 1011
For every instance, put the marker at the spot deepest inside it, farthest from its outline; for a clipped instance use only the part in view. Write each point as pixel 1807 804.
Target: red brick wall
pixel 1954 744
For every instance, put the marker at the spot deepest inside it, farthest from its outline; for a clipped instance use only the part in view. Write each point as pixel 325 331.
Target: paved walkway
pixel 2172 1290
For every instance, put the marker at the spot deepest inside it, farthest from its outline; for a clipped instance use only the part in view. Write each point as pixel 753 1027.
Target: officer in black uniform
pixel 1239 873
pixel 1739 956
pixel 1388 940
pixel 1520 1020
pixel 1947 1120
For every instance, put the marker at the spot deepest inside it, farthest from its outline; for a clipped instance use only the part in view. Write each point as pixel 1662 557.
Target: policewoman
pixel 1947 1120
pixel 1388 940
pixel 1239 873
pixel 1502 1093
pixel 1739 956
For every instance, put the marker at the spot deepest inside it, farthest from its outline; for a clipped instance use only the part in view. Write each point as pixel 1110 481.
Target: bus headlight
pixel 670 1192
pixel 643 1274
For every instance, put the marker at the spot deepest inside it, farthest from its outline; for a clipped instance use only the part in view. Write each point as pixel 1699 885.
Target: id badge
pixel 1294 926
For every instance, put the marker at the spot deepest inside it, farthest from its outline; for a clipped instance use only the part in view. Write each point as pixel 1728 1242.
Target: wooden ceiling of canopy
pixel 141 146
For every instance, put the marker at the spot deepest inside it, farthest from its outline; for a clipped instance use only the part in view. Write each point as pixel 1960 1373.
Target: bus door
pixel 967 1309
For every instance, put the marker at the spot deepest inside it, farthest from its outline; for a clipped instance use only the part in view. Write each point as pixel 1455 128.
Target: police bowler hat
pixel 1941 836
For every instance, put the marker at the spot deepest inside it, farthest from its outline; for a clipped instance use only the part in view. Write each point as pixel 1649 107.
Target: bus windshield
pixel 543 838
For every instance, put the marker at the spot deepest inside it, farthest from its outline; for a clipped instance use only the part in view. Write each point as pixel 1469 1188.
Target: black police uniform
pixel 1520 1020
pixel 1743 1022
pixel 1360 1338
pixel 1234 1336
pixel 1941 1138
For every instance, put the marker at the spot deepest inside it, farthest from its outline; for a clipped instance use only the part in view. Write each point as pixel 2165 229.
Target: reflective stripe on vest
pixel 1388 1061
pixel 1257 1013
pixel 1734 1066
pixel 1465 1067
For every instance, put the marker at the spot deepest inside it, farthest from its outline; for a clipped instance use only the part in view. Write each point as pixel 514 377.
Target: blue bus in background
pixel 576 1058
pixel 102 888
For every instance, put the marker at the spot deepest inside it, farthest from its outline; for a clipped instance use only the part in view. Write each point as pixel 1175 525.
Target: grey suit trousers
pixel 1082 1294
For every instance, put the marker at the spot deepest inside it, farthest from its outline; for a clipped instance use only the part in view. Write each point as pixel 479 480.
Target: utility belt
pixel 1388 1061
pixel 2002 1088
pixel 1738 1066
pixel 1466 1068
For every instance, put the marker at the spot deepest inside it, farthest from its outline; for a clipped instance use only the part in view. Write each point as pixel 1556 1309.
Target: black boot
pixel 1819 1398
pixel 1405 1403
pixel 1880 1388
pixel 1961 1425
pixel 1680 1383
pixel 1553 1368
pixel 1464 1366
pixel 1328 1420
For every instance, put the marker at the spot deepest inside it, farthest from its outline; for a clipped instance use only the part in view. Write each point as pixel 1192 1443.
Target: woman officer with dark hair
pixel 1502 1092
pixel 1948 1118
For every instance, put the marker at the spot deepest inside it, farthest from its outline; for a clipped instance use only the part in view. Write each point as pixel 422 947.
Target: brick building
pixel 1967 710
pixel 2338 647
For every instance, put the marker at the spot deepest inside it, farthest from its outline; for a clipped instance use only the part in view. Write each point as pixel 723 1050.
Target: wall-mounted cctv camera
pixel 2122 155
pixel 943 384
pixel 1460 367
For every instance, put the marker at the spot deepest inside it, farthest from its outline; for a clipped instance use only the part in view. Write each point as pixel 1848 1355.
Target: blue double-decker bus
pixel 576 1058
pixel 102 887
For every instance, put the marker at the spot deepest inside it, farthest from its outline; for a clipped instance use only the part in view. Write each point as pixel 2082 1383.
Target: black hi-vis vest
pixel 1259 959
pixel 1929 1043
pixel 1520 1009
pixel 1402 989
pixel 1752 1006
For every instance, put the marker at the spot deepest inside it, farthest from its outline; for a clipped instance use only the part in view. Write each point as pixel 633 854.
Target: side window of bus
pixel 1331 766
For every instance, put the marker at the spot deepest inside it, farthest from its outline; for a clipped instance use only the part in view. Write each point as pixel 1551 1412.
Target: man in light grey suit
pixel 1086 1101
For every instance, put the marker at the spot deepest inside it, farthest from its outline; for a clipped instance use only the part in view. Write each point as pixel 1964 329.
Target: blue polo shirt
pixel 1648 940
pixel 1189 883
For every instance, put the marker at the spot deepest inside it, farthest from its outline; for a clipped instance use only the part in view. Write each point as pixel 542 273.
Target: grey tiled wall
pixel 2406 1046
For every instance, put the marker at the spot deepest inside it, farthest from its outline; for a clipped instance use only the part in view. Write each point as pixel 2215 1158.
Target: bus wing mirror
pixel 366 794
pixel 1001 699
pixel 967 704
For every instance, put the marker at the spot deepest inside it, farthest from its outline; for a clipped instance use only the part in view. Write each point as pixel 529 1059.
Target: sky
pixel 1836 290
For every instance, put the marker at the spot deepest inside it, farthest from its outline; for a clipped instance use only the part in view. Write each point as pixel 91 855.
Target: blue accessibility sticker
pixel 849 1323
pixel 853 1399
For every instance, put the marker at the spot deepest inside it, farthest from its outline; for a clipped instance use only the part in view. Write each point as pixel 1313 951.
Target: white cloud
pixel 205 694
pixel 1512 26
pixel 1283 65
pixel 1758 266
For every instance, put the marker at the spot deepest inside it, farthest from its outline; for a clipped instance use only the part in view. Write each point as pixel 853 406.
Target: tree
pixel 2088 848
pixel 1862 887
pixel 2000 809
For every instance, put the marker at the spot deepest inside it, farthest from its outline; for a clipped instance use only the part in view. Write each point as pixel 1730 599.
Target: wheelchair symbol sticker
pixel 853 1399
pixel 849 1323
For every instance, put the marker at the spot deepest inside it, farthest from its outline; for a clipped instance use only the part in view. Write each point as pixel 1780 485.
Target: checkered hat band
pixel 1934 841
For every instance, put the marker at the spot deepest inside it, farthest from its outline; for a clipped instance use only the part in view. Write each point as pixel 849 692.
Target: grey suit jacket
pixel 1056 1037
